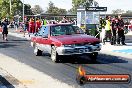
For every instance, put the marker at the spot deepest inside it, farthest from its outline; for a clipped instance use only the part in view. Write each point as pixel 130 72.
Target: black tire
pixel 93 56
pixel 37 52
pixel 54 55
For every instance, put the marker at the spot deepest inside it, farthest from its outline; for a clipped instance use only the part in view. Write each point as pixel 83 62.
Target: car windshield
pixel 65 30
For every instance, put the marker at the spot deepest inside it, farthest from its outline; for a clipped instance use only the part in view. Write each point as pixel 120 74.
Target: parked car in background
pixel 64 40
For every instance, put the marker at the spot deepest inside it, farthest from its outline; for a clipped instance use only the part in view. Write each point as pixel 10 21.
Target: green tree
pixel 37 9
pixel 52 9
pixel 118 11
pixel 16 7
pixel 85 3
pixel 62 11
pixel 27 9
pixel 128 12
pixel 5 8
pixel 76 4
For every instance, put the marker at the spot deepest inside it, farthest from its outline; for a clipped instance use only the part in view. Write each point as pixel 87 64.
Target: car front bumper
pixel 78 49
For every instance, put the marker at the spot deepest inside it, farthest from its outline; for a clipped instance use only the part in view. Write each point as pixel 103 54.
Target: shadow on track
pixel 108 59
pixel 7 45
pixel 101 59
pixel 21 40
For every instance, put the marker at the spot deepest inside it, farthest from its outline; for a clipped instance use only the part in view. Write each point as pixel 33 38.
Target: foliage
pixel 76 4
pixel 128 12
pixel 27 9
pixel 16 8
pixel 118 11
pixel 37 9
pixel 84 3
pixel 4 8
pixel 52 9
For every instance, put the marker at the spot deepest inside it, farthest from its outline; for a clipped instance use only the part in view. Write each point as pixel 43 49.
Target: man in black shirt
pixel 121 35
pixel 4 25
pixel 114 30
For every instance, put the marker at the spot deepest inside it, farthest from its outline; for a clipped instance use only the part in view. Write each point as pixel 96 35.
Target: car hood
pixel 75 39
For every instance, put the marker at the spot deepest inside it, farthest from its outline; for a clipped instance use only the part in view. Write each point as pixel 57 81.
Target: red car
pixel 64 39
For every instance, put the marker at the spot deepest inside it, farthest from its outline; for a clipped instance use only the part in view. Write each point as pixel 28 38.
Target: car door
pixel 45 41
pixel 38 37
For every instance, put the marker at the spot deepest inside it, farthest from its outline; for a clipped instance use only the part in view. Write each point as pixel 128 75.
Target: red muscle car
pixel 64 39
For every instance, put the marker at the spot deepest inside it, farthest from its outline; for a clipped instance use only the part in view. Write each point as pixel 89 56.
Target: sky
pixel 67 4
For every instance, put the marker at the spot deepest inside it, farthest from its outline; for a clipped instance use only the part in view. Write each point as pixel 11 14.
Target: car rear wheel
pixel 37 52
pixel 54 54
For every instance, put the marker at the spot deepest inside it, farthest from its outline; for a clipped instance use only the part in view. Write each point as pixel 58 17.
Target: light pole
pixel 10 6
pixel 23 11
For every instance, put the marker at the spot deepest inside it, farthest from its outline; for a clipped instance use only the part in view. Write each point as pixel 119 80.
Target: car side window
pixel 40 31
pixel 45 31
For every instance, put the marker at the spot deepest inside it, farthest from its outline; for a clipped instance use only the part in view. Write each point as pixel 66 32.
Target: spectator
pixel 114 31
pixel 26 27
pixel 38 25
pixel 121 35
pixel 102 27
pixel 31 26
pixel 108 28
pixel 4 25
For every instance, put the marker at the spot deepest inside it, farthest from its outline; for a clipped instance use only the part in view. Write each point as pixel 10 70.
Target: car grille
pixel 84 44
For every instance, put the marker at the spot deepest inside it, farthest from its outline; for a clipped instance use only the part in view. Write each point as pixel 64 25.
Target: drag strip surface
pixel 66 71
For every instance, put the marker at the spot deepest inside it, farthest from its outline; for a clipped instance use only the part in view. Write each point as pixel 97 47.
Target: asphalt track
pixel 66 71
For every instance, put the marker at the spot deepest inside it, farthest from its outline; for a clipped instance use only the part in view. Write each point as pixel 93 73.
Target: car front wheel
pixel 54 54
pixel 37 52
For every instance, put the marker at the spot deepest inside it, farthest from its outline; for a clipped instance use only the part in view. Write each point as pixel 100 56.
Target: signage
pixel 96 9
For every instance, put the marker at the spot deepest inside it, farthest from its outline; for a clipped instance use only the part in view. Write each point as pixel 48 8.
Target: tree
pixel 118 11
pixel 84 3
pixel 128 12
pixel 37 9
pixel 16 7
pixel 52 9
pixel 88 3
pixel 4 5
pixel 5 8
pixel 76 4
pixel 62 11
pixel 70 11
pixel 27 9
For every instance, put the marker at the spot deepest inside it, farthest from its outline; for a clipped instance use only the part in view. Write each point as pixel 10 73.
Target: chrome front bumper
pixel 78 49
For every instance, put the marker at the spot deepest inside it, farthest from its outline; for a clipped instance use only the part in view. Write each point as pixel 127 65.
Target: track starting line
pixel 126 51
